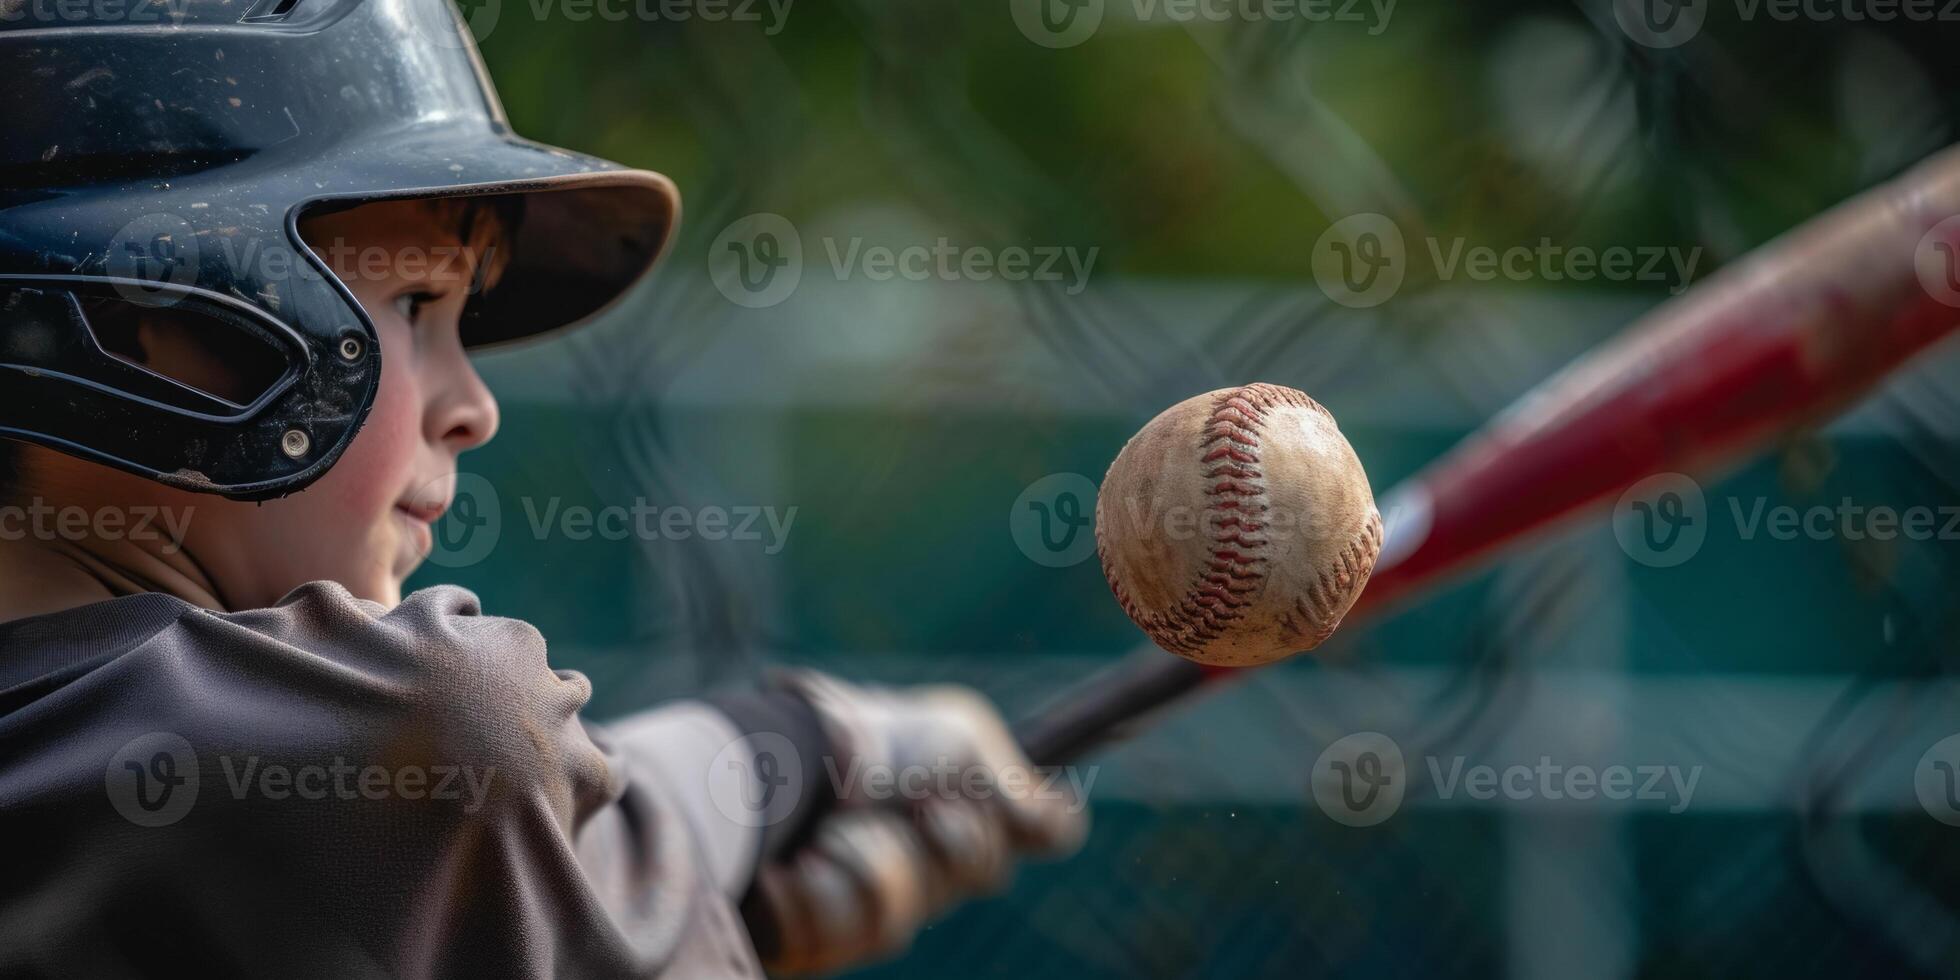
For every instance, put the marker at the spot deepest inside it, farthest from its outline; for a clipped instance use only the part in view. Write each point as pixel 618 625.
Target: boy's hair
pixel 484 226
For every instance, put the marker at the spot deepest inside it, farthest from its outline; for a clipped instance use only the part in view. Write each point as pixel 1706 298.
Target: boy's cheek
pixel 356 498
pixel 373 474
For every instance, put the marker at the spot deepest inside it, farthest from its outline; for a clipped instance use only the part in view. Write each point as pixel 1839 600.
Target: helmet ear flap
pixel 187 356
pixel 173 383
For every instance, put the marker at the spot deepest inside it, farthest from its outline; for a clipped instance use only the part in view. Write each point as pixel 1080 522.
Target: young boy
pixel 227 744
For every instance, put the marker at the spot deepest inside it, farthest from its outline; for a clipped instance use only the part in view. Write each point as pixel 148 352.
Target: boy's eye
pixel 410 305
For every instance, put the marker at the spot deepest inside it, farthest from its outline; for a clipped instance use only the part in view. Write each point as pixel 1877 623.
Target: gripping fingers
pixel 1042 814
pixel 858 891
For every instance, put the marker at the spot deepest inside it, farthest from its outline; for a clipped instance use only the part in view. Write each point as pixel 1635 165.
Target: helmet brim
pixel 589 229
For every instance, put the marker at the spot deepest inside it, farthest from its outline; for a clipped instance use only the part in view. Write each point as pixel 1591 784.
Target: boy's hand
pixel 935 803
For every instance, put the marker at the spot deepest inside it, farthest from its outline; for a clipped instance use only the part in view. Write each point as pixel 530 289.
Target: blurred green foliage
pixel 1204 161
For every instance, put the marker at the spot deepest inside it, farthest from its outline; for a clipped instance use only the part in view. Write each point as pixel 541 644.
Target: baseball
pixel 1237 528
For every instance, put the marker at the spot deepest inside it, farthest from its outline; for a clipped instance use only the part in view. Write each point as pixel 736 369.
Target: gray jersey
pixel 332 788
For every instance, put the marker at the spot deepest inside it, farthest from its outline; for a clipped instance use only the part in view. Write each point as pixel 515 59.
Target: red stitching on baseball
pixel 1357 560
pixel 1219 596
pixel 1229 449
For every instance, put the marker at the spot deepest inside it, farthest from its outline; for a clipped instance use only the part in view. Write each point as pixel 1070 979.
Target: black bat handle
pixel 1103 707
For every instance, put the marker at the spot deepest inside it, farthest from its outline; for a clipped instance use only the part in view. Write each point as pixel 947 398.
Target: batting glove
pixel 934 802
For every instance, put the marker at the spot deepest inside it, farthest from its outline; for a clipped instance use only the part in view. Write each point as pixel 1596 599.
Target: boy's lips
pixel 420 521
pixel 424 512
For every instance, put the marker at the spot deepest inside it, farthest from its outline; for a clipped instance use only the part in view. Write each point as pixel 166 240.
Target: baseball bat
pixel 1786 336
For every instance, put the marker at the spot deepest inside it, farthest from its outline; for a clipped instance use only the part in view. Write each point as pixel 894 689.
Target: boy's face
pixel 367 523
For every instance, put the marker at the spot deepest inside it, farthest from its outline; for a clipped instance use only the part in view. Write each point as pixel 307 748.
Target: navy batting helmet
pixel 161 153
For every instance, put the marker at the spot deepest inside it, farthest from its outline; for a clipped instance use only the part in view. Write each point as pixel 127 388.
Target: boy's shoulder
pixel 322 677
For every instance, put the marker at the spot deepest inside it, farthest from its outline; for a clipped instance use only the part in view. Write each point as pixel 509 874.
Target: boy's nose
pixel 465 415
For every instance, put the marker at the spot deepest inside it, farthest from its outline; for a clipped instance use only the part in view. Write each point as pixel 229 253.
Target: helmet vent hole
pixel 208 354
pixel 268 10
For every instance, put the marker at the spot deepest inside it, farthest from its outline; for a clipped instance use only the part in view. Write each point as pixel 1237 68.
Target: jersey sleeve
pixel 406 792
